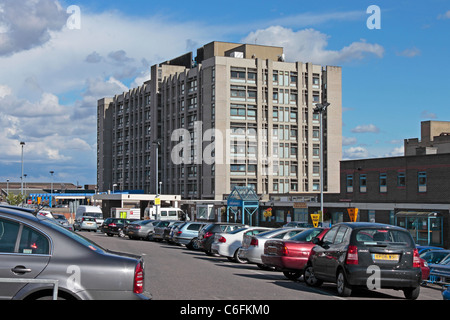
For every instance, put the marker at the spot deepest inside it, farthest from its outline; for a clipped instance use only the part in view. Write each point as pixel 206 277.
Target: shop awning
pixel 416 213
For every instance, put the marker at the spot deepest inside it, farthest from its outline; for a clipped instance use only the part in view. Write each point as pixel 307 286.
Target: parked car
pixel 141 229
pixel 446 292
pixel 433 257
pixel 39 249
pixel 228 244
pixel 425 270
pixel 187 234
pixel 347 250
pixel 61 219
pixel 167 232
pixel 253 246
pixel 298 224
pixel 291 256
pixel 114 226
pixel 85 223
pixel 206 235
pixel 424 249
pixel 160 229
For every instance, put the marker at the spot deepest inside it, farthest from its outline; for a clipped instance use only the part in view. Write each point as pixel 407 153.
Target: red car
pixel 425 270
pixel 290 256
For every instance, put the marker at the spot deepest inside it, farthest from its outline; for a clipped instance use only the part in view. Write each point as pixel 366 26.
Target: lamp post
pixel 21 175
pixel 51 189
pixel 320 109
pixel 158 143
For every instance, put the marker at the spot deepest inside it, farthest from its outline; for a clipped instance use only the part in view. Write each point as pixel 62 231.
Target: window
pixel 349 183
pixel 33 242
pixel 8 236
pixel 401 179
pixel 422 181
pixel 363 183
pixel 383 182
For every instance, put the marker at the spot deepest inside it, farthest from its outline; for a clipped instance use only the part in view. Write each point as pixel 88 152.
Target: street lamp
pixel 21 175
pixel 51 190
pixel 320 109
pixel 158 143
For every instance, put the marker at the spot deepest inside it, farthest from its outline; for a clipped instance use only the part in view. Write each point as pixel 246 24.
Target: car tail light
pixel 179 232
pixel 352 255
pixel 222 239
pixel 138 286
pixel 112 224
pixel 254 242
pixel 416 259
pixel 208 234
pixel 285 251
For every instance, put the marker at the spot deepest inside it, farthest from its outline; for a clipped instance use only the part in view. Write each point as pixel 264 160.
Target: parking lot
pixel 176 273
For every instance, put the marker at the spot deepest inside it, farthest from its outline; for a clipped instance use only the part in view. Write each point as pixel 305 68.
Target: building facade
pixel 410 191
pixel 236 115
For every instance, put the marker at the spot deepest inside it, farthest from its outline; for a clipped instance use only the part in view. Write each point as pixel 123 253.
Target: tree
pixel 15 199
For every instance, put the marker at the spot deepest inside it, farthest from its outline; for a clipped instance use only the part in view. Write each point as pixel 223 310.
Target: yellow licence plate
pixel 385 257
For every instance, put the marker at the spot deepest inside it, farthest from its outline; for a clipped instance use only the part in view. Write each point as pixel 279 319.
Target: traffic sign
pixel 157 201
pixel 353 213
pixel 315 217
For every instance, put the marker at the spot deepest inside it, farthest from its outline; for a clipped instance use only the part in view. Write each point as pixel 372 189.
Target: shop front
pixel 425 227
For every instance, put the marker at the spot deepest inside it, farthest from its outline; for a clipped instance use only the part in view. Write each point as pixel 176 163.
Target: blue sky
pixel 51 75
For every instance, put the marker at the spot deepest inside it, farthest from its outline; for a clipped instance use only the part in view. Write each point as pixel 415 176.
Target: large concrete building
pixel 235 115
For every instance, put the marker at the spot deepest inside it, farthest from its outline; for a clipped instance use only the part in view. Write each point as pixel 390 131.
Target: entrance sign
pixel 315 217
pixel 353 214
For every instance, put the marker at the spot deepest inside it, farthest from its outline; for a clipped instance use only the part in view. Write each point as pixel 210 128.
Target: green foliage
pixel 15 199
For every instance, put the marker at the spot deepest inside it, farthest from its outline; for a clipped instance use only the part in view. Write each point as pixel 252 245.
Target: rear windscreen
pixel 384 236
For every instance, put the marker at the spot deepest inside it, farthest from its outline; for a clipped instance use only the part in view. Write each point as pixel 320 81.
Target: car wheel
pixel 237 258
pixel 310 277
pixel 292 275
pixel 411 293
pixel 343 288
pixel 149 237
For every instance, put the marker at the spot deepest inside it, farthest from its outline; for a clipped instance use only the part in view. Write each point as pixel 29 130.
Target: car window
pixel 381 236
pixel 33 242
pixel 329 237
pixel 307 235
pixel 340 235
pixel 8 235
pixel 290 234
pixel 193 226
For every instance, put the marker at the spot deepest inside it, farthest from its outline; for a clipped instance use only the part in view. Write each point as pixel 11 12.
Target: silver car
pixel 142 229
pixel 253 246
pixel 187 234
pixel 34 251
pixel 85 223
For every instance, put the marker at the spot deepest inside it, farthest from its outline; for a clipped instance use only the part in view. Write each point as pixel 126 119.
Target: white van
pixel 90 211
pixel 164 213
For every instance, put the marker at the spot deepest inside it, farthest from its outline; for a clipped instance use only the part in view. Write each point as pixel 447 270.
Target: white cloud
pixel 445 15
pixel 409 53
pixel 309 45
pixel 428 115
pixel 366 128
pixel 396 152
pixel 348 141
pixel 355 153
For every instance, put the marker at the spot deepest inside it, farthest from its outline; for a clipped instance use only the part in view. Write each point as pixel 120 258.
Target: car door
pixel 337 251
pixel 321 255
pixel 24 253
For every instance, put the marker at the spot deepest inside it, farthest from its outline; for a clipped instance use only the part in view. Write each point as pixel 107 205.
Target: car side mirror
pixel 317 241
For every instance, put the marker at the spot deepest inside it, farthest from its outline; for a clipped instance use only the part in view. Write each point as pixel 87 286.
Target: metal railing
pixel 44 281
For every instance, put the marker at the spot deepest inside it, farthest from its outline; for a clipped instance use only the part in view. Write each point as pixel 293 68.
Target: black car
pixel 206 235
pixel 370 255
pixel 114 226
pixel 42 252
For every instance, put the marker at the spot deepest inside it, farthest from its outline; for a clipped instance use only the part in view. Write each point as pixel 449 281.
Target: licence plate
pixel 385 257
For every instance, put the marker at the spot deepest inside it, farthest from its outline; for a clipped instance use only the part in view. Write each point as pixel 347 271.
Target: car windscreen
pixel 381 236
pixel 237 230
pixel 75 236
pixel 97 215
pixel 307 235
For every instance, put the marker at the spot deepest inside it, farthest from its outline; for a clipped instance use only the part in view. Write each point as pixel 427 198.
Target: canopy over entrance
pixel 245 199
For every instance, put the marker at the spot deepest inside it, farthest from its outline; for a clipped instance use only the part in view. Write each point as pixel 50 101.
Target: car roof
pixel 19 212
pixel 361 225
